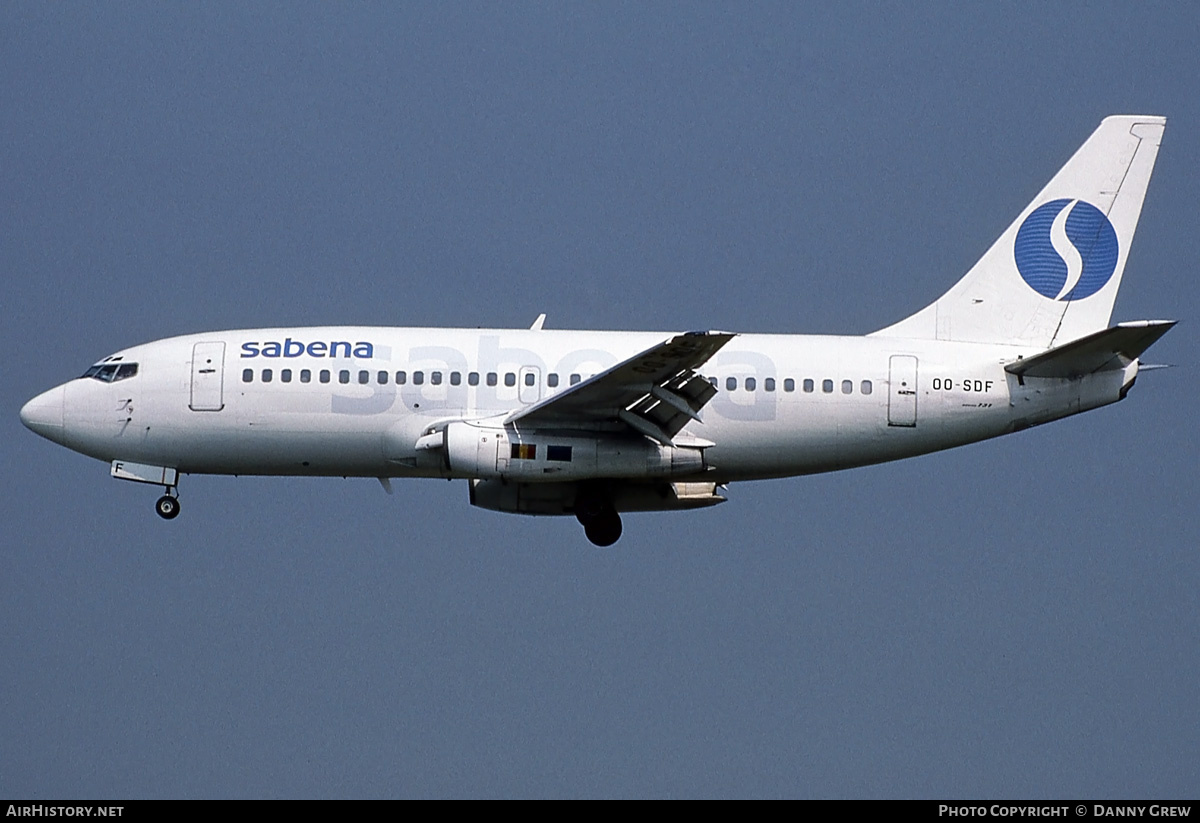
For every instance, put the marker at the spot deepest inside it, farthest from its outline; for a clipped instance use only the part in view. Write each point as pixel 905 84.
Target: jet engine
pixel 540 456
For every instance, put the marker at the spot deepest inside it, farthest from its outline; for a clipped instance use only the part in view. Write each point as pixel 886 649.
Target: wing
pixel 655 393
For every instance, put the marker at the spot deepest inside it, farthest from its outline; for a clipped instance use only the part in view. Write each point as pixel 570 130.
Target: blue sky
pixel 1015 618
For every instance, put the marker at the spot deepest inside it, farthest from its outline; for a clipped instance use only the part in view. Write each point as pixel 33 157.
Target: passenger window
pixel 324 375
pixel 827 386
pixel 769 384
pixel 847 386
pixel 530 379
pixel 382 377
pixel 305 376
pixel 866 387
pixel 266 377
pixel 401 378
pixel 285 376
pixel 435 378
pixel 789 384
pixel 751 383
pixel 510 379
pixel 808 385
pixel 491 378
pixel 552 380
pixel 713 381
pixel 473 378
pixel 730 383
pixel 455 378
pixel 574 379
pixel 364 377
pixel 247 375
pixel 418 378
pixel 344 376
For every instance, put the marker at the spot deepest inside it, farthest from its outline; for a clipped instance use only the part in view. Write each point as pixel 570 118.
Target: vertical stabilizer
pixel 1053 275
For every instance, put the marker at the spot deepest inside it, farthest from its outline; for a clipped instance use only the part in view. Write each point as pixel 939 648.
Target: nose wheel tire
pixel 167 507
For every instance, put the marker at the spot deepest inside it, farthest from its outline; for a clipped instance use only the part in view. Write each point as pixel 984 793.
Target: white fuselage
pixel 332 405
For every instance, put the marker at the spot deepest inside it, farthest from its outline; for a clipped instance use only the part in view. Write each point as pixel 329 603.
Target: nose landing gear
pixel 167 506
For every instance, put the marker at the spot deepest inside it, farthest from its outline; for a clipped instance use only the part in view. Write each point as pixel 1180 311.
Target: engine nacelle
pixel 546 457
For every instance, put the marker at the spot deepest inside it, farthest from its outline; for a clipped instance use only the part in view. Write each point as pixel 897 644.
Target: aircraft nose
pixel 44 413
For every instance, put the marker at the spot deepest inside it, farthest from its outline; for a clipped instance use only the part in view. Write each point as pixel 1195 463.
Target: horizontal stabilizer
pixel 1112 348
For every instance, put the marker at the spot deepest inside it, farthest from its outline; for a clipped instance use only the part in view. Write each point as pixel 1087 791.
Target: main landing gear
pixel 167 506
pixel 605 529
pixel 599 519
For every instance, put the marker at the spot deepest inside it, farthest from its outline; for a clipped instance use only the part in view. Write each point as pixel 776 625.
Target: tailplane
pixel 1053 276
pixel 1104 350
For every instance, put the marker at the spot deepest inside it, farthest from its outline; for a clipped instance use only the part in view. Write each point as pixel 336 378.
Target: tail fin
pixel 1053 276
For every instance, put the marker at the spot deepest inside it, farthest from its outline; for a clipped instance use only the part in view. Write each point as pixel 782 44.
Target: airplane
pixel 598 423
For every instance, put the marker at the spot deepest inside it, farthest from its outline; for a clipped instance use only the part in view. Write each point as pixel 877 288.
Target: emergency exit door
pixel 529 387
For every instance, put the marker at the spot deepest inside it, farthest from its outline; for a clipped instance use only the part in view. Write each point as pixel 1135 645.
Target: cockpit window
pixel 112 372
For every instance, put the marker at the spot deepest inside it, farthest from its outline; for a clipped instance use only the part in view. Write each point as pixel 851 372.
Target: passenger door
pixel 902 391
pixel 208 377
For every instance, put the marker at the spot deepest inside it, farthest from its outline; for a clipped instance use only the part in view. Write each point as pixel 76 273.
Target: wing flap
pixel 656 392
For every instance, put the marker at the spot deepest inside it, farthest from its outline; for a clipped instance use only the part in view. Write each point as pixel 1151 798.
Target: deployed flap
pixel 655 393
pixel 1111 348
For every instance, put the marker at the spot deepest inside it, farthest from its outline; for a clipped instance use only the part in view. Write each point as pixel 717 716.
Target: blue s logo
pixel 1066 250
